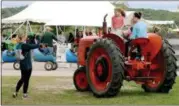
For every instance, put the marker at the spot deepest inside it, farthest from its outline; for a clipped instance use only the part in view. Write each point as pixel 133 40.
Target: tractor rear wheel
pixel 105 68
pixel 80 80
pixel 166 73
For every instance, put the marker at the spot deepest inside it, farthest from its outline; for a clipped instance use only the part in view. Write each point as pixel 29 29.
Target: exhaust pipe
pixel 105 25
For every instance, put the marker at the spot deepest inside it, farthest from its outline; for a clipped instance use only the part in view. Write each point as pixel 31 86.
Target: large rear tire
pixel 169 70
pixel 105 68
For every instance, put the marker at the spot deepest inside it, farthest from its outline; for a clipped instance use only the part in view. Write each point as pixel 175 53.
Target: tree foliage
pixel 7 12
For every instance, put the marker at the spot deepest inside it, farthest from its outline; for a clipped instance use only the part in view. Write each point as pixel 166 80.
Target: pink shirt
pixel 117 22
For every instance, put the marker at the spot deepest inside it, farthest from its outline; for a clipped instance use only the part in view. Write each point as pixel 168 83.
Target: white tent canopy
pixel 87 20
pixel 77 13
pixel 73 13
pixel 44 11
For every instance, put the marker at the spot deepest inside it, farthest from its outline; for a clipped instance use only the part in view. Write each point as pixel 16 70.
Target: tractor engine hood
pixel 88 40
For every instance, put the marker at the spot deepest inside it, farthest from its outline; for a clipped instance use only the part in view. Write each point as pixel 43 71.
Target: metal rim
pixel 81 80
pixel 100 69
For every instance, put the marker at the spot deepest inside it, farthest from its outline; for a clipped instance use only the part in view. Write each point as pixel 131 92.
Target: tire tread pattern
pixel 117 60
pixel 171 69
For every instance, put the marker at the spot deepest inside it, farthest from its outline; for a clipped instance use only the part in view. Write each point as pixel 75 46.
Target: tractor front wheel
pixel 105 68
pixel 80 80
pixel 166 73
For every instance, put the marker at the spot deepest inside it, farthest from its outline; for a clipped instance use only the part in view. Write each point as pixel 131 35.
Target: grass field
pixel 60 90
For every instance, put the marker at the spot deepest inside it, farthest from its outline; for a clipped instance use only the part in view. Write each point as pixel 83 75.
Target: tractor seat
pixel 139 42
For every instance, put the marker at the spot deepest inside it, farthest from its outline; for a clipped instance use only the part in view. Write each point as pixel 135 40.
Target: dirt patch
pixel 58 85
pixel 8 85
pixel 129 87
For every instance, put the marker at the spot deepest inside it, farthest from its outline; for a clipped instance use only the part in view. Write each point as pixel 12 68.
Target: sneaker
pixel 25 96
pixel 14 95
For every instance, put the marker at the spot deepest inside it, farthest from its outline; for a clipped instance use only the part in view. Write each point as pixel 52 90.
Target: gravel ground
pixel 38 70
pixel 64 69
pixel 67 71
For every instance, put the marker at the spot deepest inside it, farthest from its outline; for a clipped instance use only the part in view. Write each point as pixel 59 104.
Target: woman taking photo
pixel 25 65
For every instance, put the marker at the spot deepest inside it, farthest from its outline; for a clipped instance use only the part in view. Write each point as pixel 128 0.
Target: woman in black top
pixel 25 66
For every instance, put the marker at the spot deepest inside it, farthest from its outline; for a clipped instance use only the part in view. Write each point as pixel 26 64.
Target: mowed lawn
pixel 60 90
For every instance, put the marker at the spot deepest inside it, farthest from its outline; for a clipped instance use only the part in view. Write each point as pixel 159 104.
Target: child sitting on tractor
pixel 118 21
pixel 139 30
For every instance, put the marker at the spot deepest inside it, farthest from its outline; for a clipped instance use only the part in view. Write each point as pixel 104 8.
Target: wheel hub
pixel 101 69
pixel 81 80
pixel 17 65
pixel 48 66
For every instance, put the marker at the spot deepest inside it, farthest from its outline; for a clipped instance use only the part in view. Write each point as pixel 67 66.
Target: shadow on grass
pixel 122 93
pixel 133 93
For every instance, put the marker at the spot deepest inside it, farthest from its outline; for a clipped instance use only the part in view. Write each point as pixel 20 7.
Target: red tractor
pixel 103 66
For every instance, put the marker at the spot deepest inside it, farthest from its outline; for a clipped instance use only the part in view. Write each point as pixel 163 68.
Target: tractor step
pixel 131 63
pixel 140 78
pixel 144 78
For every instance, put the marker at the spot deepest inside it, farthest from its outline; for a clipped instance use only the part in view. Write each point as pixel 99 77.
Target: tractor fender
pixel 117 40
pixel 154 45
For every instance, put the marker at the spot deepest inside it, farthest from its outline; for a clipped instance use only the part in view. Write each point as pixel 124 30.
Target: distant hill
pixel 7 12
pixel 151 14
pixel 162 15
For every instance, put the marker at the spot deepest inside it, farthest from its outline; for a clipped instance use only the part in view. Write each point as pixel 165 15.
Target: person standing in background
pixel 100 32
pixel 71 38
pixel 14 39
pixel 48 38
pixel 31 38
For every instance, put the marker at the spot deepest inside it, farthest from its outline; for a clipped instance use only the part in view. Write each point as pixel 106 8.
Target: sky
pixel 164 5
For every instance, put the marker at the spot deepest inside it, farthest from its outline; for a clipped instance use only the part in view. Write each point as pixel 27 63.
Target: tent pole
pixel 75 30
pixel 41 27
pixel 176 25
pixel 57 30
pixel 17 29
pixel 44 28
pixel 84 31
pixel 26 27
pixel 61 29
pixel 30 26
